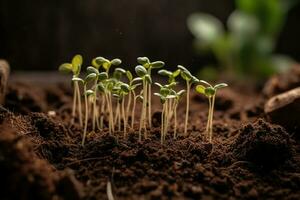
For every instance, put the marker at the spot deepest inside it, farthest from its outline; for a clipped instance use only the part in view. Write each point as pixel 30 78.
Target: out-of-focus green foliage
pixel 245 47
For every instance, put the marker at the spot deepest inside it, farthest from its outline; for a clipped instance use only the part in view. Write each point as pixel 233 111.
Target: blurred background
pixel 40 35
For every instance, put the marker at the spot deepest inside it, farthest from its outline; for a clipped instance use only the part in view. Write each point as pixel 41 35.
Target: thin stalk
pixel 162 125
pixel 175 118
pixel 109 115
pixel 211 119
pixel 145 94
pixel 166 119
pixel 208 117
pixel 86 115
pixel 143 113
pixel 74 104
pixel 79 104
pixel 102 111
pixel 111 112
pixel 117 116
pixel 133 110
pixel 94 106
pixel 124 117
pixel 128 107
pixel 187 107
pixel 149 106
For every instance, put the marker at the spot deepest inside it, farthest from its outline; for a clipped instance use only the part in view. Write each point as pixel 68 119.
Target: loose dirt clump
pixel 263 144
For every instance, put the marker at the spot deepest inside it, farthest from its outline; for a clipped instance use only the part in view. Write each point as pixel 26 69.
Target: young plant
pixel 146 79
pixel 210 92
pixel 74 67
pixel 145 62
pixel 166 95
pixel 89 78
pixel 177 98
pixel 132 86
pixel 105 63
pixel 190 80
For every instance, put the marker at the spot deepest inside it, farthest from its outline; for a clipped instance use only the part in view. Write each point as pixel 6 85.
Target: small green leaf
pixel 106 65
pixel 143 60
pixel 158 84
pixel 65 68
pixel 182 68
pixel 200 89
pixel 76 63
pixel 171 85
pixel 210 91
pixel 89 92
pixel 205 83
pixel 100 87
pixel 77 79
pixel 140 71
pixel 116 61
pixel 186 75
pixel 91 69
pixel 125 88
pixel 129 75
pixel 99 61
pixel 164 72
pixel 90 77
pixel 102 76
pixel 137 79
pixel 157 64
pixel 220 85
pixel 194 80
pixel 176 73
pixel 164 91
pixel 180 93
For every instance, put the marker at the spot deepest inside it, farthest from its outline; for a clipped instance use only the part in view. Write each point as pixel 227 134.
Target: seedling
pixel 146 79
pixel 89 78
pixel 105 63
pixel 132 86
pixel 190 80
pixel 145 62
pixel 74 67
pixel 167 95
pixel 210 92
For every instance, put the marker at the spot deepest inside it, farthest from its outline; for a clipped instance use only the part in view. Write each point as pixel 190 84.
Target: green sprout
pixel 89 78
pixel 105 63
pixel 132 86
pixel 146 79
pixel 74 67
pixel 190 80
pixel 145 62
pixel 210 92
pixel 167 96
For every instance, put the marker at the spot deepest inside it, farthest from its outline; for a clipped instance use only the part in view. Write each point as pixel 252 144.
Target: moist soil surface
pixel 41 156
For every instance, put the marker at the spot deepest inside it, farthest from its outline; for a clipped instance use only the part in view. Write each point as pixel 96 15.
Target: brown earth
pixel 41 156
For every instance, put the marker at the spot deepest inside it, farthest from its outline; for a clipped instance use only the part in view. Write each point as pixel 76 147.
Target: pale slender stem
pixel 117 116
pixel 143 113
pixel 211 119
pixel 128 107
pixel 124 117
pixel 162 125
pixel 145 110
pixel 111 112
pixel 94 114
pixel 208 117
pixel 166 119
pixel 109 115
pixel 133 110
pixel 79 104
pixel 102 111
pixel 149 106
pixel 175 119
pixel 86 116
pixel 187 107
pixel 74 104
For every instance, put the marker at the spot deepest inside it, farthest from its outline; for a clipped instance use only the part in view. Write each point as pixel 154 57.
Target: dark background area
pixel 40 35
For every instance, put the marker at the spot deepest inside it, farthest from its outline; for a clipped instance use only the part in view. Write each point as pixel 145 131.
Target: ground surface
pixel 41 156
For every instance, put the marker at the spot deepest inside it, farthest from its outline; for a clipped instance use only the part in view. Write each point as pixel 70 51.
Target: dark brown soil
pixel 41 156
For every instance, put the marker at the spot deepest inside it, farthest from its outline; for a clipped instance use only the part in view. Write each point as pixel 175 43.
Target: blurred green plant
pixel 246 45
